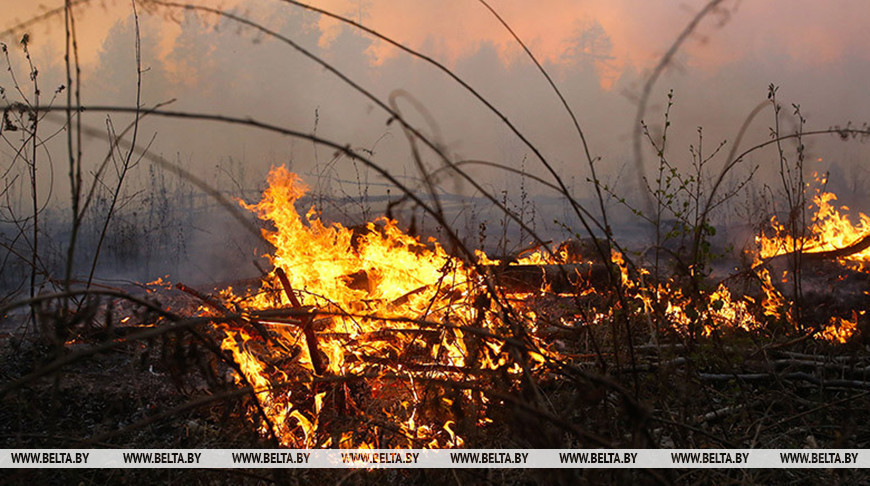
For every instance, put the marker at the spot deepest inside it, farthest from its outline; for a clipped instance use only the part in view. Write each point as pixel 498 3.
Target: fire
pixel 832 234
pixel 371 322
pixel 830 230
pixel 372 302
pixel 840 330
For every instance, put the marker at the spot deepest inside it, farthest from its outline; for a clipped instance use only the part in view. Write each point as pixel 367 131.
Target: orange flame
pixel 831 230
pixel 381 297
pixel 382 308
pixel 840 330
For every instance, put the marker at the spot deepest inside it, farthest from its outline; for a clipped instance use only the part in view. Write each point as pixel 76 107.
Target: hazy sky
pixel 598 52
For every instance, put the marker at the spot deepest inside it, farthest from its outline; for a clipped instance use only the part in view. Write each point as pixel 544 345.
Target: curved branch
pixel 647 88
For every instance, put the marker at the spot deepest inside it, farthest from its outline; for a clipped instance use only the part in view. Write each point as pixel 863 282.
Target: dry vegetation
pixel 412 343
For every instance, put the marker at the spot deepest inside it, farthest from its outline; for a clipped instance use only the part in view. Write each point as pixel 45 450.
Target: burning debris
pixel 831 245
pixel 373 339
pixel 372 324
pixel 370 338
pixel 831 235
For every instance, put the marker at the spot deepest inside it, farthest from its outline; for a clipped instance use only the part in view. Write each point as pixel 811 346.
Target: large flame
pixel 384 305
pixel 372 322
pixel 830 230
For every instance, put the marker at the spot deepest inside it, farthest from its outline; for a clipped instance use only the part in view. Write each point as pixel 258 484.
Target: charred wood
pixel 307 328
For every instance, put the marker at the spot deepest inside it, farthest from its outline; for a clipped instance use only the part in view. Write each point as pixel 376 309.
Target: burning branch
pixel 307 329
pixel 258 326
pixel 857 247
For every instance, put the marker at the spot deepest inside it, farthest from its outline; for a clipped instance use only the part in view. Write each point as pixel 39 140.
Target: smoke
pixel 598 53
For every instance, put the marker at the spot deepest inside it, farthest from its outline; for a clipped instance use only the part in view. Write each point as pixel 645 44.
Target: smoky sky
pixel 598 53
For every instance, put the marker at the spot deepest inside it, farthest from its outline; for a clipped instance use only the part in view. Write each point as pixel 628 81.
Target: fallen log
pixel 794 376
pixel 817 256
pixel 856 247
pixel 556 278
